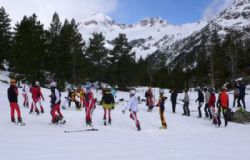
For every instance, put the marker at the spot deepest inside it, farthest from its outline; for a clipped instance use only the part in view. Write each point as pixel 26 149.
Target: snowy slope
pixel 185 139
pixel 147 35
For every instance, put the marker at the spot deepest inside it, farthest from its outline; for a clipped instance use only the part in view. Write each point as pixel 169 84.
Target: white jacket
pixel 26 89
pixel 132 104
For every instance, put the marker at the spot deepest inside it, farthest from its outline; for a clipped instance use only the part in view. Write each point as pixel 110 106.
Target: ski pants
pixel 199 108
pixel 105 113
pixel 173 106
pixel 225 115
pixel 134 117
pixel 207 111
pixel 162 117
pixel 55 112
pixel 242 99
pixel 235 99
pixel 25 100
pixel 34 105
pixel 14 107
pixel 88 111
pixel 186 109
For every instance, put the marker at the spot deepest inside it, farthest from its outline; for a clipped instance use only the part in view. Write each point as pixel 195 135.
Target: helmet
pixel 132 92
pixel 37 83
pixel 53 84
pixel 161 91
pixel 12 81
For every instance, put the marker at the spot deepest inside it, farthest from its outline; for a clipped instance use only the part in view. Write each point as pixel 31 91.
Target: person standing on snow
pixel 186 110
pixel 108 103
pixel 132 105
pixel 36 98
pixel 26 90
pixel 55 104
pixel 149 99
pixel 212 101
pixel 242 94
pixel 174 95
pixel 223 105
pixel 236 93
pixel 207 109
pixel 161 106
pixel 13 99
pixel 89 103
pixel 200 99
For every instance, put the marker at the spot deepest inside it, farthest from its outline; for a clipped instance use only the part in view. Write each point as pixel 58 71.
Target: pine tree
pixel 5 35
pixel 96 56
pixel 28 55
pixel 123 62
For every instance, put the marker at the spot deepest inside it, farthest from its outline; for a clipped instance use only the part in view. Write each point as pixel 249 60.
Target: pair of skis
pixel 82 130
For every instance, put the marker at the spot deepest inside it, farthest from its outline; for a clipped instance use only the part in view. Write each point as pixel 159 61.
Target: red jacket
pixel 36 93
pixel 224 100
pixel 88 100
pixel 212 100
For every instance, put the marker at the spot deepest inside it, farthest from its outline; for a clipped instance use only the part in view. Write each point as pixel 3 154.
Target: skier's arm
pixel 128 105
pixel 57 94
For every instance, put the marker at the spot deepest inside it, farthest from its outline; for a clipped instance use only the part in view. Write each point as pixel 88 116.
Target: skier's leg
pixel 59 111
pixel 224 111
pixel 53 113
pixel 40 104
pixel 239 105
pixel 32 106
pixel 199 109
pixel 109 112
pixel 12 113
pixel 133 114
pixel 243 102
pixel 184 109
pixel 163 121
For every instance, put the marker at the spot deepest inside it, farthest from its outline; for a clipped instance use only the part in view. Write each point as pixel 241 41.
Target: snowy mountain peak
pixel 236 16
pixel 98 18
pixel 150 21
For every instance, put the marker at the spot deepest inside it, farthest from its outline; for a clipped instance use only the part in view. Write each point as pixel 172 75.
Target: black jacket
pixel 108 98
pixel 53 96
pixel 200 97
pixel 12 94
pixel 174 95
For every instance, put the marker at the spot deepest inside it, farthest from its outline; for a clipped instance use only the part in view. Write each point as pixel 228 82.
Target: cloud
pixel 44 9
pixel 215 7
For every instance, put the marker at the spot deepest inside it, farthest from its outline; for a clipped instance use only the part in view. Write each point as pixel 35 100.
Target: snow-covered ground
pixel 186 138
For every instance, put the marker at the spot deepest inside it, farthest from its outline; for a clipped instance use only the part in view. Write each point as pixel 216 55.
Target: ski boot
pixel 104 122
pixel 13 120
pixel 109 121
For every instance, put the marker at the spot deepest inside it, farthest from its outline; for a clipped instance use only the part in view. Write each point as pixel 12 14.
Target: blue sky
pixel 175 11
pixel 122 11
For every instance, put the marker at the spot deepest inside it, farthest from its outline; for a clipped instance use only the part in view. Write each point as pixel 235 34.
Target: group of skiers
pixel 84 98
pixel 213 109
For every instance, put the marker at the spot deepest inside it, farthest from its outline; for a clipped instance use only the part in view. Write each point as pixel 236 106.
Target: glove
pixel 123 111
pixel 129 110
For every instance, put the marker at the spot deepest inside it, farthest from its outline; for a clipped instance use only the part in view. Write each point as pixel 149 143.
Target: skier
pixel 174 95
pixel 56 114
pixel 108 103
pixel 186 110
pixel 236 93
pixel 75 97
pixel 132 105
pixel 223 104
pixel 89 103
pixel 149 99
pixel 161 106
pixel 200 99
pixel 207 109
pixel 242 89
pixel 212 101
pixel 36 98
pixel 13 99
pixel 26 90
